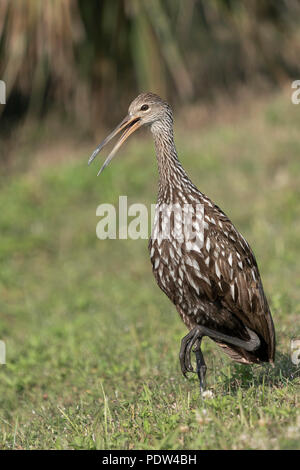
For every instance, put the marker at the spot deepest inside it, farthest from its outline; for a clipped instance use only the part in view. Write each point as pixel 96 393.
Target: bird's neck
pixel 171 173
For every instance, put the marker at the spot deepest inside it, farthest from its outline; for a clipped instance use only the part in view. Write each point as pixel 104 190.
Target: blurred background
pixel 91 342
pixel 84 61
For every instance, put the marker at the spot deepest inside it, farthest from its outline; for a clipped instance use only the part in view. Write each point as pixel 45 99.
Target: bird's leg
pixel 185 351
pixel 191 339
pixel 201 366
pixel 195 336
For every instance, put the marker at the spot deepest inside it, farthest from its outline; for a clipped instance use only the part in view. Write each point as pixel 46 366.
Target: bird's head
pixel 145 109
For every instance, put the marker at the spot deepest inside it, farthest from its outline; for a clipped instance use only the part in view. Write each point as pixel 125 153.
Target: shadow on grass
pixel 242 376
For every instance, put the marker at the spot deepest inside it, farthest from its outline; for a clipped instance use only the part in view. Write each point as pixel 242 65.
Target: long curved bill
pixel 128 125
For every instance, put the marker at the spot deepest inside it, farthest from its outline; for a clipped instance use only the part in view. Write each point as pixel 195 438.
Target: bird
pixel 199 259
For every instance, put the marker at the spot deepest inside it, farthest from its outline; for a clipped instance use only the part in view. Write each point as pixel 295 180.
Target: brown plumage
pixel 208 271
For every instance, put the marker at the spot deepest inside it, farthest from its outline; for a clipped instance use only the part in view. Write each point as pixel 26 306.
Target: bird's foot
pixel 185 351
pixel 193 338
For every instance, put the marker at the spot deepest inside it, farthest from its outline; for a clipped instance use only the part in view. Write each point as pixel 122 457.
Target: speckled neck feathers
pixel 172 176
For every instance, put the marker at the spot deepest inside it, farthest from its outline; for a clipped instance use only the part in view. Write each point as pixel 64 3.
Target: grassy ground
pixel 92 343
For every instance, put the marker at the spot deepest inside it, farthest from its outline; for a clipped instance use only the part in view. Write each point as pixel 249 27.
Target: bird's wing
pixel 223 267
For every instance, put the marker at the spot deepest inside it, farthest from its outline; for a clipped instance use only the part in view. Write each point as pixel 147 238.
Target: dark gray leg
pixel 195 336
pixel 201 366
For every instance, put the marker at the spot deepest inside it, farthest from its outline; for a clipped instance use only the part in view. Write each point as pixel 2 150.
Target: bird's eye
pixel 144 107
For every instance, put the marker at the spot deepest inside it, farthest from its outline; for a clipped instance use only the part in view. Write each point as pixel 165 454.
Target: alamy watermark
pixel 2 352
pixel 2 92
pixel 167 221
pixel 295 351
pixel 296 94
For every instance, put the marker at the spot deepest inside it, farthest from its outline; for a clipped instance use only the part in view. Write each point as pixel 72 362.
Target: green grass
pixel 92 343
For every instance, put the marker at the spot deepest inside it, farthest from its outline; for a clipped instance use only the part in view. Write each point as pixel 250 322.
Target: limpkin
pixel 212 277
